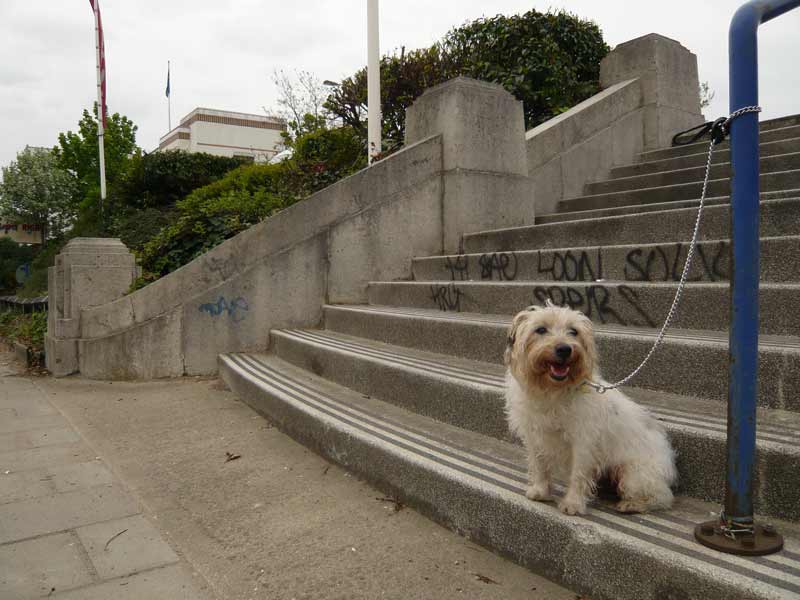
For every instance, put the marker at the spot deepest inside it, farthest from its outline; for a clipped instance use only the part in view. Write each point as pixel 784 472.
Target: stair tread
pixel 704 144
pixel 629 210
pixel 666 210
pixel 528 251
pixel 676 411
pixel 476 464
pixel 786 342
pixel 606 282
pixel 703 153
pixel 672 186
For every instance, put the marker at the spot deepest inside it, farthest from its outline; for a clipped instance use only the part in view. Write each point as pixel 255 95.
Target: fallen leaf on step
pixel 232 456
pixel 484 579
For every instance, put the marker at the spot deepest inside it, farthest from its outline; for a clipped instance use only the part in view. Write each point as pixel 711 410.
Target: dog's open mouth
pixel 559 372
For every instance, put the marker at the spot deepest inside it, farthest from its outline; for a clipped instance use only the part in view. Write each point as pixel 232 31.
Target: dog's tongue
pixel 559 370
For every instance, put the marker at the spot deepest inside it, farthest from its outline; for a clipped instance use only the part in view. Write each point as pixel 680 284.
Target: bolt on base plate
pixel 763 540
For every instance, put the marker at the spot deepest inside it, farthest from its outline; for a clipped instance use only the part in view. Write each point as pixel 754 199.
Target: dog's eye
pixel 541 330
pixel 573 332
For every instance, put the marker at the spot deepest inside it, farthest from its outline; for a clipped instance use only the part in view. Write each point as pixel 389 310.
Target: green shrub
pixel 248 195
pixel 28 329
pixel 160 179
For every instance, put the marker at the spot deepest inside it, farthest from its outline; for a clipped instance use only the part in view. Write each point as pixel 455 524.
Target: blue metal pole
pixel 743 365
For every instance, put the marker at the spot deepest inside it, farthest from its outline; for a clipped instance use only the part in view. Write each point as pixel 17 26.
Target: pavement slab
pixel 68 527
pixel 278 522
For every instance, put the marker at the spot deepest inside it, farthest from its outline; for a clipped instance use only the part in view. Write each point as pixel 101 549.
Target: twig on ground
pixel 113 537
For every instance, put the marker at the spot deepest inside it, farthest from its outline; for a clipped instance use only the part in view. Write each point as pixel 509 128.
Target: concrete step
pixel 635 304
pixel 778 218
pixel 690 363
pixel 721 155
pixel 769 164
pixel 475 484
pixel 469 394
pixel 637 262
pixel 657 206
pixel 770 135
pixel 769 182
pixel 779 122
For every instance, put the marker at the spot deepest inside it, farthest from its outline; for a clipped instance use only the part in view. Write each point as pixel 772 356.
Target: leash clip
pixel 719 130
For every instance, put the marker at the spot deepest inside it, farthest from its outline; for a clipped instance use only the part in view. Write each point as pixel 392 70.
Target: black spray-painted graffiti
pixel 458 267
pixel 236 309
pixel 572 266
pixel 447 297
pixel 596 302
pixel 665 263
pixel 499 265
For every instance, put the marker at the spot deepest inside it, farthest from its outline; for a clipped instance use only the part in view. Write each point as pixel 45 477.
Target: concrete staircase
pixel 407 390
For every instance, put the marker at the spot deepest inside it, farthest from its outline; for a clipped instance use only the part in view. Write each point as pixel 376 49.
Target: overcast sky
pixel 223 53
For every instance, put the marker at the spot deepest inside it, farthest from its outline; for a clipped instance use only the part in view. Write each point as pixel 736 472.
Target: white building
pixel 226 133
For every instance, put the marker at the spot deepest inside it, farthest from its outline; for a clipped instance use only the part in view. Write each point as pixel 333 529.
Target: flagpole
pixel 100 107
pixel 373 82
pixel 169 101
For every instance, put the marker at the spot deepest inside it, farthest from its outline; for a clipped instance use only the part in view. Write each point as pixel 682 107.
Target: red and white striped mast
pixel 101 101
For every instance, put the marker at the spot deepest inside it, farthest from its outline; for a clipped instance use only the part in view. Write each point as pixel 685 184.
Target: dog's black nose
pixel 563 351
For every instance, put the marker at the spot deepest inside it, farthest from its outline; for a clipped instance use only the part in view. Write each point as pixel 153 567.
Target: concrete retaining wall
pixel 324 249
pixel 276 274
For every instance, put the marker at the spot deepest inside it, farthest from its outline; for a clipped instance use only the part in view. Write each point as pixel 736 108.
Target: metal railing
pixel 736 530
pixel 25 305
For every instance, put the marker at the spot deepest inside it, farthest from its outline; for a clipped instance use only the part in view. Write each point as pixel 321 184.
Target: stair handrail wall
pixel 744 316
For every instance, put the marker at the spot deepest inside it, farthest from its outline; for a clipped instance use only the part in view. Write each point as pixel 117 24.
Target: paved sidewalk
pixel 68 529
pixel 276 523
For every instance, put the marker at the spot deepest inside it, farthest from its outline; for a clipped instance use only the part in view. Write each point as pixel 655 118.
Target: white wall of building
pixel 226 133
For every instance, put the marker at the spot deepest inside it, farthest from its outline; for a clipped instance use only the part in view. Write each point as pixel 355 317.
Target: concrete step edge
pixel 609 262
pixel 469 394
pixel 637 209
pixel 675 186
pixel 665 211
pixel 701 157
pixel 700 169
pixel 775 134
pixel 688 362
pixel 783 429
pixel 440 471
pixel 776 342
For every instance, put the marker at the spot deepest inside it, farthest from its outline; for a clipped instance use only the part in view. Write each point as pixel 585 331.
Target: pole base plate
pixel 763 540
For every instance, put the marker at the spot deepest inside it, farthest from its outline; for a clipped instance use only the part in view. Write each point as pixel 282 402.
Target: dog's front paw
pixel 572 505
pixel 539 492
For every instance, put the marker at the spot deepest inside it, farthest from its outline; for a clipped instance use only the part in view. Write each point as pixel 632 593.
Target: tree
pixel 706 95
pixel 301 102
pixel 78 154
pixel 36 190
pixel 549 61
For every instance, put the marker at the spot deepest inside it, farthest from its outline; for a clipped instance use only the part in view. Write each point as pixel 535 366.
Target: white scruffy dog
pixel 572 431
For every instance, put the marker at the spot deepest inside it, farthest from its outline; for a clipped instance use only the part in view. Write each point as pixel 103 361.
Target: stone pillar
pixel 485 168
pixel 670 87
pixel 88 272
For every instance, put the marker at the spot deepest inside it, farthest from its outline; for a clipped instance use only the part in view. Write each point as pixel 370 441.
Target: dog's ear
pixel 512 332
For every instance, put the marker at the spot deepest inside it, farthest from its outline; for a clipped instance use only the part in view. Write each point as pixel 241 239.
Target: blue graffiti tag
pixel 235 308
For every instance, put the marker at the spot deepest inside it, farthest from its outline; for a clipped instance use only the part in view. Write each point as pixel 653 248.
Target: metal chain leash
pixel 718 133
